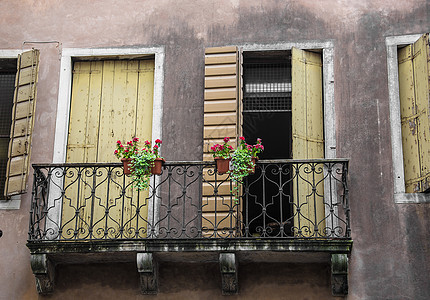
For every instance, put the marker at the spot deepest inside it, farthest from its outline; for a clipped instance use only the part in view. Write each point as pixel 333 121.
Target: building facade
pixel 338 206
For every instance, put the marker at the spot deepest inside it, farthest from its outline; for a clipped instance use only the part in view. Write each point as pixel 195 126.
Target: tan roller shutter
pixel 414 110
pixel 308 139
pixel 22 123
pixel 221 119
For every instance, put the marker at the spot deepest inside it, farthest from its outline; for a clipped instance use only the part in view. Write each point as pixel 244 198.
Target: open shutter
pixel 22 123
pixel 414 111
pixel 221 119
pixel 308 140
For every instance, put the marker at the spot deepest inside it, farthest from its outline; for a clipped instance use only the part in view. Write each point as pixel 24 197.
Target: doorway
pixel 267 115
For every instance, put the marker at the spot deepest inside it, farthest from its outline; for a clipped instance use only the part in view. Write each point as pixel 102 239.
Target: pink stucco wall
pixel 391 246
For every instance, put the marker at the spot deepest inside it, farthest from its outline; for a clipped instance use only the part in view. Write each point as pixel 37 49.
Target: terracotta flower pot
pixel 156 168
pixel 126 164
pixel 254 160
pixel 222 165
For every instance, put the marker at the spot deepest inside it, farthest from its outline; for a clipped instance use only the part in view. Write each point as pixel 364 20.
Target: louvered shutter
pixel 414 110
pixel 308 140
pixel 22 123
pixel 221 119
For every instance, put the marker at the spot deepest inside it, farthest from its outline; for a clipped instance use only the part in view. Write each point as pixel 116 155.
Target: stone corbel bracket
pixel 339 274
pixel 44 272
pixel 228 267
pixel 147 268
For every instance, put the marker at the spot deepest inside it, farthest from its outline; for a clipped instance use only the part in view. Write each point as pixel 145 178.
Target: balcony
pixel 288 210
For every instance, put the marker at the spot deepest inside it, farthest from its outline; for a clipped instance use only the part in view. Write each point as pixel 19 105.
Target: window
pixel 105 95
pixel 20 128
pixel 264 79
pixel 69 59
pixel 414 114
pixel 7 86
pixel 409 115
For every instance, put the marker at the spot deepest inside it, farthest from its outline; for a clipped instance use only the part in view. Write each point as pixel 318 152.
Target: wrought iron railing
pixel 305 199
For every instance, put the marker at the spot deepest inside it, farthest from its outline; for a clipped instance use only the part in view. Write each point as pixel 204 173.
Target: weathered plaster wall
pixel 202 281
pixel 391 242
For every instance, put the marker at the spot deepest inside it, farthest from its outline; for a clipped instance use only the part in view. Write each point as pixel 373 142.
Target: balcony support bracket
pixel 43 270
pixel 147 268
pixel 339 274
pixel 228 267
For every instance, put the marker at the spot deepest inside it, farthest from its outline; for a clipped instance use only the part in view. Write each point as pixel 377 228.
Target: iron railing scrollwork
pixel 301 199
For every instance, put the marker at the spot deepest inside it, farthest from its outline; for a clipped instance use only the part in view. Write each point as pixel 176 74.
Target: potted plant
pixel 125 152
pixel 221 154
pixel 243 161
pixel 146 162
pixel 158 162
pixel 140 163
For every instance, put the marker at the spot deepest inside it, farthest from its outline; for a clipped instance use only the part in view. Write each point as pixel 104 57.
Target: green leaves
pixel 142 161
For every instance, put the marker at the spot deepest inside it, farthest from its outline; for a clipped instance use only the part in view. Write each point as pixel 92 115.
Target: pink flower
pixel 259 140
pixel 230 148
pixel 158 141
pixel 129 143
pixel 135 139
pixel 155 146
pixel 242 138
pixel 115 152
pixel 118 142
pixel 121 146
pixel 226 139
pixel 126 150
pixel 147 143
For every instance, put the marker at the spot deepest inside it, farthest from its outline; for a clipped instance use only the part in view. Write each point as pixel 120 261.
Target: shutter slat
pixel 22 123
pixel 221 118
pixel 216 70
pixel 220 106
pixel 218 59
pixel 220 81
pixel 221 93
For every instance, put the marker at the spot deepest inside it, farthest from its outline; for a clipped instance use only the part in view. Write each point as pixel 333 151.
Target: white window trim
pixel 63 113
pixel 15 201
pixel 400 196
pixel 64 93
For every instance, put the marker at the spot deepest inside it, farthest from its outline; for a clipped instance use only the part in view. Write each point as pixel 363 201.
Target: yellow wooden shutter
pixel 111 100
pixel 414 111
pixel 22 123
pixel 221 119
pixel 308 142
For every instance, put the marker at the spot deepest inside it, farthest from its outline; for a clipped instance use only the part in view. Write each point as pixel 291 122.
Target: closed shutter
pixel 111 100
pixel 414 111
pixel 22 123
pixel 221 119
pixel 308 140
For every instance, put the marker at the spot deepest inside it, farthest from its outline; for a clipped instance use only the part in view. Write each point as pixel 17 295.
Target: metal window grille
pixel 266 87
pixel 7 82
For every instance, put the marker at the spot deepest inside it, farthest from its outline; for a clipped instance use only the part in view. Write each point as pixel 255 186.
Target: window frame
pixel 329 113
pixel 15 201
pixel 400 196
pixel 327 49
pixel 65 95
pixel 65 89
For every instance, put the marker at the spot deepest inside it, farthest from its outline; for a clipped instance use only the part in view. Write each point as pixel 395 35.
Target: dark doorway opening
pixel 267 115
